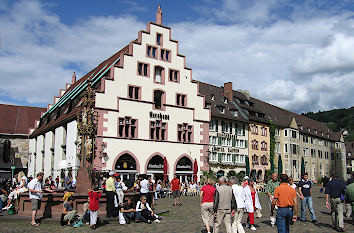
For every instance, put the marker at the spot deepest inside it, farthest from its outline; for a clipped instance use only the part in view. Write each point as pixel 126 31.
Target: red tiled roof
pixel 18 119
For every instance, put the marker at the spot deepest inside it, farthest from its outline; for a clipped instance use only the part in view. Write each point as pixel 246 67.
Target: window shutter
pixel 246 143
pixel 233 158
pixel 219 157
pixel 216 125
pixel 233 142
pixel 219 141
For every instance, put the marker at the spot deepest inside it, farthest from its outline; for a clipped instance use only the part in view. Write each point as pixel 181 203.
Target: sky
pixel 298 55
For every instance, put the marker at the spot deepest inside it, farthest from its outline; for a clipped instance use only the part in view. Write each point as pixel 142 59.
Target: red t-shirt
pixel 175 184
pixel 94 196
pixel 208 193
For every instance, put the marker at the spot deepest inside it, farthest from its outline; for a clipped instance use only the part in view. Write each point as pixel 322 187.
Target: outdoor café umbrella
pixel 195 170
pixel 280 165
pixel 164 169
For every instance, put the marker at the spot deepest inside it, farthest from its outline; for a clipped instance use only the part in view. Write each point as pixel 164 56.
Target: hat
pixel 246 178
pixel 111 173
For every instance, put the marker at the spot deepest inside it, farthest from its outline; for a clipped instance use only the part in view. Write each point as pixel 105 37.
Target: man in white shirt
pixel 240 197
pixel 144 188
pixel 35 194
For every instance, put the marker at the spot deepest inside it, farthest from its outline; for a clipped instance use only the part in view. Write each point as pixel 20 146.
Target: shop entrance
pixel 126 167
pixel 184 169
pixel 155 168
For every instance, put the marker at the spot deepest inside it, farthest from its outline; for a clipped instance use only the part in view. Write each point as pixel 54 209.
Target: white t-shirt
pixel 36 185
pixel 240 196
pixel 293 186
pixel 144 186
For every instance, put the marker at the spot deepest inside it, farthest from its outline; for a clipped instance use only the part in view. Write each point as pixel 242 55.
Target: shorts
pixel 176 194
pixel 36 204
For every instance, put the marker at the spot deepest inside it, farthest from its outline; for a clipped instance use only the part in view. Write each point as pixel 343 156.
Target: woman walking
pixel 252 203
pixel 207 203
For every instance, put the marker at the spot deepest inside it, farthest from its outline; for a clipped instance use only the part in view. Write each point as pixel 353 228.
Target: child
pixel 94 206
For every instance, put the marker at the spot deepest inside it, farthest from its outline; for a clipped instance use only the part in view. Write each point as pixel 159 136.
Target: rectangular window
pixel 127 127
pixel 213 126
pixel 293 134
pixel 181 100
pixel 151 51
pixel 158 131
pixel 158 39
pixel 165 55
pixel 143 69
pixel 184 133
pixel 173 76
pixel 133 92
pixel 158 74
pixel 213 156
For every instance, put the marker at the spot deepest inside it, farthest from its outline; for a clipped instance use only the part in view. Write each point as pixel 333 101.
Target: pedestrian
pixel 269 189
pixel 13 196
pixel 245 181
pixel 176 190
pixel 334 190
pixel 144 188
pixel 285 199
pixel 206 204
pixel 119 189
pixel 349 192
pixel 240 197
pixel 68 210
pixel 224 205
pixel 110 193
pixel 306 198
pixel 35 194
pixel 68 181
pixel 94 196
pixel 251 203
pixel 348 207
pixel 144 212
pixel 128 210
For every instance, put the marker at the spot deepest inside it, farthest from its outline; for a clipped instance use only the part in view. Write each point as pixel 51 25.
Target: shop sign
pixel 218 149
pixel 226 135
pixel 159 116
pixel 155 166
pixel 232 150
pixel 187 167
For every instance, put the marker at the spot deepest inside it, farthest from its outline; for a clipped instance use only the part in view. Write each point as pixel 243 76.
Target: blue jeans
pixel 308 201
pixel 284 216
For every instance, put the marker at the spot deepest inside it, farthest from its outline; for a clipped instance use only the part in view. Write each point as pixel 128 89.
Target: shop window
pixel 184 132
pixel 173 76
pixel 165 55
pixel 159 75
pixel 143 69
pixel 158 99
pixel 158 130
pixel 127 127
pixel 133 92
pixel 181 100
pixel 151 51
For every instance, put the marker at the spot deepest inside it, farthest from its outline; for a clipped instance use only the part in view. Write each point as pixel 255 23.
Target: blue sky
pixel 298 55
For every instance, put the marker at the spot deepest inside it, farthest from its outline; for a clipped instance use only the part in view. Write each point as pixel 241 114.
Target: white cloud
pixel 305 63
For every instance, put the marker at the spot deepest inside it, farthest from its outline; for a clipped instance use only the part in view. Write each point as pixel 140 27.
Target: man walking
pixel 335 188
pixel 110 192
pixel 240 197
pixel 350 197
pixel 176 190
pixel 306 198
pixel 35 194
pixel 224 205
pixel 285 199
pixel 269 189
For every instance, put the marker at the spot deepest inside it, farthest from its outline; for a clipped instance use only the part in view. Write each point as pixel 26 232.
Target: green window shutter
pixel 233 142
pixel 233 158
pixel 219 141
pixel 246 143
pixel 217 124
pixel 219 157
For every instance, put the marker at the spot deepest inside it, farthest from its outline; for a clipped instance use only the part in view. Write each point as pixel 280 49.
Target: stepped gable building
pixel 349 150
pixel 15 122
pixel 149 109
pixel 303 144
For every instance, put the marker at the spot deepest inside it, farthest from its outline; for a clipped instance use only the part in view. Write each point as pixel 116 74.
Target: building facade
pixel 149 109
pixel 349 150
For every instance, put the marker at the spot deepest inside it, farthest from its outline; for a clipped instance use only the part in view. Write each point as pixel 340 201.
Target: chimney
pixel 159 15
pixel 73 78
pixel 228 91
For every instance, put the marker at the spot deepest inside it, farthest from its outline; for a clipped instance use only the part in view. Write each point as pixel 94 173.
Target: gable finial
pixel 159 15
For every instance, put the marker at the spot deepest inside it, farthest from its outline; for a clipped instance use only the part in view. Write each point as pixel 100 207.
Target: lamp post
pixel 87 127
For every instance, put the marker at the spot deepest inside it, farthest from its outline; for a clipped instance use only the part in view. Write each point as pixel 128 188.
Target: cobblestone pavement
pixel 184 219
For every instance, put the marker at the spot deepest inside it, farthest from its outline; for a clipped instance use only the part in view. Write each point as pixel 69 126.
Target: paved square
pixel 184 219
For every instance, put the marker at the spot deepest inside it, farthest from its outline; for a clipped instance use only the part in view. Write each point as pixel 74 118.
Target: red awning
pixel 164 169
pixel 195 170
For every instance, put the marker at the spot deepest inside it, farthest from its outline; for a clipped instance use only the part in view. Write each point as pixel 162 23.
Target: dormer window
pixel 308 130
pixel 315 131
pixel 301 127
pixel 234 112
pixel 246 102
pixel 207 105
pixel 321 133
pixel 212 97
pixel 221 109
pixel 225 100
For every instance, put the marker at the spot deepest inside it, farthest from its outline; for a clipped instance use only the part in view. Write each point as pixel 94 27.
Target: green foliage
pixel 268 174
pixel 206 175
pixel 272 128
pixel 231 173
pixel 336 120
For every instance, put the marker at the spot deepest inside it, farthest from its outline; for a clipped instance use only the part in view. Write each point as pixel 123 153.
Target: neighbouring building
pixel 149 109
pixel 349 150
pixel 15 122
pixel 228 138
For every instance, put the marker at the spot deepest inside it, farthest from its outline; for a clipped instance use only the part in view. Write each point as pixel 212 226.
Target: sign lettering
pixel 159 116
